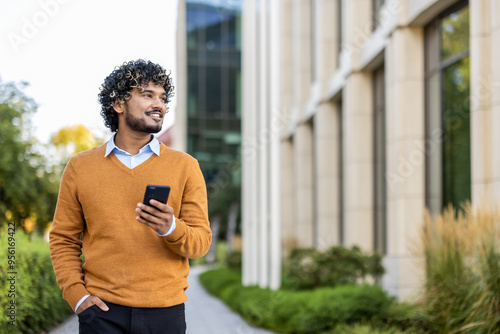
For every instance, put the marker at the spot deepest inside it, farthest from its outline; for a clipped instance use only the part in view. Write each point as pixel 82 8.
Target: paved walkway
pixel 205 314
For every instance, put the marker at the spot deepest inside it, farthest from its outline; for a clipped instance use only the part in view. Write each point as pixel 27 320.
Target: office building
pixel 357 116
pixel 208 86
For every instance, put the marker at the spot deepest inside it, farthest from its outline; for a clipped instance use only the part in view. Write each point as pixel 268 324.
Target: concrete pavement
pixel 205 314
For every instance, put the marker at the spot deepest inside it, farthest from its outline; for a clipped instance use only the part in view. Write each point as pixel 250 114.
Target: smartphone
pixel 159 193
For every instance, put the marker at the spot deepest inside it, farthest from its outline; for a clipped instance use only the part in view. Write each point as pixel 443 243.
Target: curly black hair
pixel 123 79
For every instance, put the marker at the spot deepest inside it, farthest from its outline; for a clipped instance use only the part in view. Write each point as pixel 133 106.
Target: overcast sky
pixel 65 49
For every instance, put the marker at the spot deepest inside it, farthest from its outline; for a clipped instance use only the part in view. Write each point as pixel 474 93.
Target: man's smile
pixel 155 114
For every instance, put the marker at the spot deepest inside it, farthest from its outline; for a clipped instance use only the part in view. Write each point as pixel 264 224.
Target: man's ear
pixel 119 106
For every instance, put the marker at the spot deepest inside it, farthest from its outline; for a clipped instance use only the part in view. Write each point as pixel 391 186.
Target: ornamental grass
pixel 462 261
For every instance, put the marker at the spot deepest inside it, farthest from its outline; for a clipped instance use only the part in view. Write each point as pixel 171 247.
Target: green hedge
pixel 312 311
pixel 33 289
pixel 308 268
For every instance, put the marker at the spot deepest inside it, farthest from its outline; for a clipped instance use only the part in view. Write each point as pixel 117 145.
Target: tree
pixel 73 139
pixel 28 185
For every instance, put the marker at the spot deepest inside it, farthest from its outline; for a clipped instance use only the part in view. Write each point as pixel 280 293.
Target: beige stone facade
pixel 337 146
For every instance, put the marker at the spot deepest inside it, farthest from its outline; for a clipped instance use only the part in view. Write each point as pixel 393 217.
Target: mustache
pixel 155 112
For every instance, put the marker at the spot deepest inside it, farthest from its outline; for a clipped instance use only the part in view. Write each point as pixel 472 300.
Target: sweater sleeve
pixel 192 235
pixel 65 239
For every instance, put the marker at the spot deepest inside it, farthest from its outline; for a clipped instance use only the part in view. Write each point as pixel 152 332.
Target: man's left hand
pixel 156 215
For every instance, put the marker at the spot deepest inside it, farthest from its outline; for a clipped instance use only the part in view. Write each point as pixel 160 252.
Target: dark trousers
pixel 133 320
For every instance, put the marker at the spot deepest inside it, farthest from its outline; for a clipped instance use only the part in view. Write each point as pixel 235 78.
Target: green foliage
pixel 308 268
pixel 221 194
pixel 366 329
pixel 313 311
pixel 233 260
pixel 28 187
pixel 217 280
pixel 462 262
pixel 37 297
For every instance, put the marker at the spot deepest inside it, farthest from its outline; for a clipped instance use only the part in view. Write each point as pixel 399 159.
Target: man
pixel 134 275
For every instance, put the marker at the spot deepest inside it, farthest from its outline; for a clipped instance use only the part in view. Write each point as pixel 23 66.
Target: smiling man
pixel 136 256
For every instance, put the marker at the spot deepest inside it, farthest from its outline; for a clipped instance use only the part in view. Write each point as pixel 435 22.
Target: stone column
pixel 249 147
pixel 495 101
pixel 485 100
pixel 405 96
pixel 358 161
pixel 327 171
pixel 357 128
pixel 301 128
pixel 303 190
pixel 262 182
pixel 179 129
pixel 288 239
pixel 275 124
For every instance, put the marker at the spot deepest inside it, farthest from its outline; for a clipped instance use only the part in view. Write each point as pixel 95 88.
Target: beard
pixel 139 124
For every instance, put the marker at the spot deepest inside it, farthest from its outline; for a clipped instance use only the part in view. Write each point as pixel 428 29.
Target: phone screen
pixel 156 192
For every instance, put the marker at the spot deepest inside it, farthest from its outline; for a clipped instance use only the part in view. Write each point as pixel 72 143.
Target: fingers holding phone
pixel 154 211
pixel 156 192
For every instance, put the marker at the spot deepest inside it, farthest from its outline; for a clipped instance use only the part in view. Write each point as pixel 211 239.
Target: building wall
pixel 179 129
pixel 320 76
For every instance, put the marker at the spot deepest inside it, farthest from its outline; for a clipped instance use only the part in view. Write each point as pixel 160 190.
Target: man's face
pixel 145 110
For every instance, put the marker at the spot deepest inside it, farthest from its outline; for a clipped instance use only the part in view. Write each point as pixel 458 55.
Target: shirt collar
pixel 153 145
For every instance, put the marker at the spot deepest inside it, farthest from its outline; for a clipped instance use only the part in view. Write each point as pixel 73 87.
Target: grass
pixel 462 259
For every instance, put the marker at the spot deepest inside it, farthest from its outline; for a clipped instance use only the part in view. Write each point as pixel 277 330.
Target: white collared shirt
pixel 132 161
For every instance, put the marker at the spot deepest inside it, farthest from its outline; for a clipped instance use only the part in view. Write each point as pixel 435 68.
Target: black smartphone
pixel 159 193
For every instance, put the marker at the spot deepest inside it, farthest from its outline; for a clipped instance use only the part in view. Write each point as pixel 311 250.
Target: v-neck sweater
pixel 126 262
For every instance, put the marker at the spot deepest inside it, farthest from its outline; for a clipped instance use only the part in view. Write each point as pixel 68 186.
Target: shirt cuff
pixel 81 301
pixel 172 228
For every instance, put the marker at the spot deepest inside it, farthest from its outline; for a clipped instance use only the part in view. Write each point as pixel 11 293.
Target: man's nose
pixel 158 103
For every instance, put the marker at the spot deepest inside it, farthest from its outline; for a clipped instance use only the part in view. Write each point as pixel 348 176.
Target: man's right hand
pixel 92 300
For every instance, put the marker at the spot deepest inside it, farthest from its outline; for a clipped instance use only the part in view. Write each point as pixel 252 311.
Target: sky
pixel 65 48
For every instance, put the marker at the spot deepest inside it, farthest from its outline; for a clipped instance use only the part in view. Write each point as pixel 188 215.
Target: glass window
pixel 455 34
pixel 192 93
pixel 314 41
pixel 192 27
pixel 377 17
pixel 339 30
pixel 214 32
pixel 456 127
pixel 379 163
pixel 234 91
pixel 448 165
pixel 213 86
pixel 237 32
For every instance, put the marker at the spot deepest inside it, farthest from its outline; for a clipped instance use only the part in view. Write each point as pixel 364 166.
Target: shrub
pixel 37 297
pixel 308 268
pixel 234 260
pixel 313 311
pixel 329 307
pixel 215 281
pixel 462 262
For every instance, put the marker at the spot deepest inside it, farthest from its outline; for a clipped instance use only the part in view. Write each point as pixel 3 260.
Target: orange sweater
pixel 126 262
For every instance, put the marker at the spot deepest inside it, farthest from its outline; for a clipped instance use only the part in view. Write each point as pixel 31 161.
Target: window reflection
pixel 455 34
pixel 448 165
pixel 213 74
pixel 376 13
pixel 456 145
